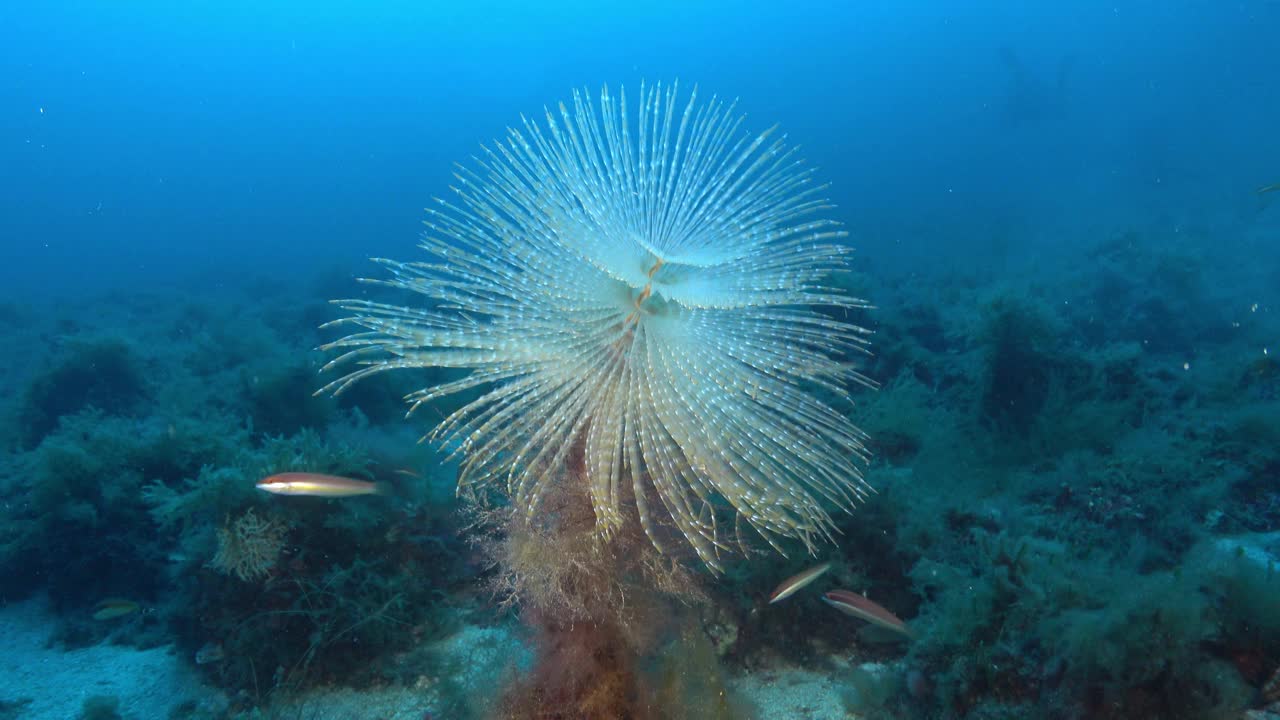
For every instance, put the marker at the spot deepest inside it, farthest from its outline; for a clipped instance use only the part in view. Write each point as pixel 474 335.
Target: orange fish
pixel 305 483
pixel 795 582
pixel 851 603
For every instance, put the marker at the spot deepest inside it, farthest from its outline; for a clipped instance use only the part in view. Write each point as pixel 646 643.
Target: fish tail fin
pixel 391 487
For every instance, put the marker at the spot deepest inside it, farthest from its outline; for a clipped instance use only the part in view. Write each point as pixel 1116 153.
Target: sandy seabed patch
pixel 53 683
pixel 793 694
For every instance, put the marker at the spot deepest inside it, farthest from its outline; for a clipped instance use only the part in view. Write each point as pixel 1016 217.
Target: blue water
pixel 145 138
pixel 1067 216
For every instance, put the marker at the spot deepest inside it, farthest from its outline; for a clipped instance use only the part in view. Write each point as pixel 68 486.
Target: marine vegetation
pixel 654 350
pixel 249 546
pixel 101 373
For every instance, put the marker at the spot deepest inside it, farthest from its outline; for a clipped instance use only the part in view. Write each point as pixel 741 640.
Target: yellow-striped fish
pixel 305 483
pixel 795 582
pixel 1268 188
pixel 112 608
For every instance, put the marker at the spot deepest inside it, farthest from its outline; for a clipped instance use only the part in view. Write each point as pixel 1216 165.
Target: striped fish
pixel 795 582
pixel 112 608
pixel 315 484
pixel 851 603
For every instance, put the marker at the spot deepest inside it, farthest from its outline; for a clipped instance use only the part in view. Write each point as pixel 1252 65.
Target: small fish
pixel 210 652
pixel 851 603
pixel 112 608
pixel 304 483
pixel 1268 188
pixel 795 582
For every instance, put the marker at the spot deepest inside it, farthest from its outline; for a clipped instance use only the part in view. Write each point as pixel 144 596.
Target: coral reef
pixel 1077 472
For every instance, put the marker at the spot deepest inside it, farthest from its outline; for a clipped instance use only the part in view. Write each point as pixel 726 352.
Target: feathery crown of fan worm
pixel 646 298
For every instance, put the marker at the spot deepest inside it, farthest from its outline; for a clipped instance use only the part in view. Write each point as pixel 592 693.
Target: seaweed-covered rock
pixel 100 373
